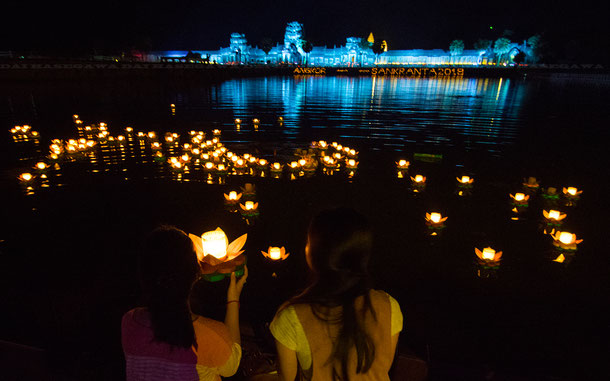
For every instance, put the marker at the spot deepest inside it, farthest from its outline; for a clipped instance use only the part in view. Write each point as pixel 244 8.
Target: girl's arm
pixel 287 359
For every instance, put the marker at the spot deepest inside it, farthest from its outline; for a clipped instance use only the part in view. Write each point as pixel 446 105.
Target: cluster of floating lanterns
pixel 488 260
pixel 24 133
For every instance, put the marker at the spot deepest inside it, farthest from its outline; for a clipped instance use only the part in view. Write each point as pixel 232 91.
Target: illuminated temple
pixel 355 52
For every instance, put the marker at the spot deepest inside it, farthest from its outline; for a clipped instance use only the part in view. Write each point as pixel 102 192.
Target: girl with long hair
pixel 339 328
pixel 165 340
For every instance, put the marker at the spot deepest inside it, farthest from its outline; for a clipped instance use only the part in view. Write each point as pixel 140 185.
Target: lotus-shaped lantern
pixel 418 179
pixel 572 192
pixel 248 189
pixel 550 194
pixel 276 167
pixel 249 209
pixel 488 258
pixel 262 164
pixel 216 132
pixel 276 253
pixel 402 164
pixel 232 198
pixel 519 199
pixel 25 177
pixel 553 217
pixel 216 256
pixel 435 219
pixel 465 181
pixel 531 184
pixel 351 164
pixel 238 121
pixel 565 240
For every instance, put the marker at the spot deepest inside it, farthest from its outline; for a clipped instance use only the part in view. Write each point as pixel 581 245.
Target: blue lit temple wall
pixel 353 53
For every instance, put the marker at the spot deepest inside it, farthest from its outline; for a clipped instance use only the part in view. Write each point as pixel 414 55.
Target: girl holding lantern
pixel 165 340
pixel 339 328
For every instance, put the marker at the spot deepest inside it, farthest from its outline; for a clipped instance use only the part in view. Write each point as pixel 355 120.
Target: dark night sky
pixel 191 24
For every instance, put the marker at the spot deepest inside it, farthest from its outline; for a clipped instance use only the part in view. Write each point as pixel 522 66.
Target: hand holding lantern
pixel 216 256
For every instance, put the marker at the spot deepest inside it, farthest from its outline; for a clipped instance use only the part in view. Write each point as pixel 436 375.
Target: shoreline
pixel 26 70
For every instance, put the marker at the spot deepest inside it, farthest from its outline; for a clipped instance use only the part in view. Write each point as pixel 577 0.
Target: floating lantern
pixel 553 218
pixel 221 167
pixel 41 166
pixel 249 209
pixel 216 132
pixel 25 177
pixel 209 165
pixel 572 192
pixel 402 164
pixel 565 241
pixel 352 152
pixel 248 189
pixel 238 121
pixel 419 179
pixel 302 162
pixel 276 168
pixel 232 198
pixel 488 258
pixel 294 164
pixel 351 164
pixel 280 119
pixel 151 135
pixel 217 257
pixel 322 144
pixel 262 163
pixel 276 253
pixel 435 218
pixel 531 184
pixel 520 199
pixel 465 181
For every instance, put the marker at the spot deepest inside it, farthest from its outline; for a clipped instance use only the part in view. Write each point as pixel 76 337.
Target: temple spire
pixel 371 39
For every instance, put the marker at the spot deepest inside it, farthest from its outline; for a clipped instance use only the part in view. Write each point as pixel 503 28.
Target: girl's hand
pixel 235 286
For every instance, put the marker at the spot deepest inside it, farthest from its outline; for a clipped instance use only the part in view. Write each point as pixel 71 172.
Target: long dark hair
pixel 339 247
pixel 168 268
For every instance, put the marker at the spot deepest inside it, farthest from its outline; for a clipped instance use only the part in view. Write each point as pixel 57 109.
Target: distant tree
pixel 501 48
pixel 538 48
pixel 193 56
pixel 307 48
pixel 266 46
pixel 482 44
pixel 508 33
pixel 378 48
pixel 456 47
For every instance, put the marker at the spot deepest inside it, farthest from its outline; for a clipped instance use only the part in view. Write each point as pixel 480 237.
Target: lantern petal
pixel 497 256
pixel 266 255
pixel 545 214
pixel 478 253
pixel 198 245
pixel 235 246
pixel 444 219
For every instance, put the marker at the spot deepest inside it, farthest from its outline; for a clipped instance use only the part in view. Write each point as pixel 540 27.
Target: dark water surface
pixel 67 265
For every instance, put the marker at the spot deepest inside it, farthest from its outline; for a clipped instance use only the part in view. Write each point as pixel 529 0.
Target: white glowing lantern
pixel 554 215
pixel 519 197
pixel 419 179
pixel 294 164
pixel 302 162
pixel 322 144
pixel 128 129
pixel 237 121
pixel 402 164
pixel 232 195
pixel 216 132
pixel 40 165
pixel 215 243
pixel 488 253
pixel 25 177
pixel 255 121
pixel 435 217
pixel 465 180
pixel 277 166
pixel 221 167
pixel 209 165
pixel 249 205
pixel 275 253
pixel 567 238
pixel 262 162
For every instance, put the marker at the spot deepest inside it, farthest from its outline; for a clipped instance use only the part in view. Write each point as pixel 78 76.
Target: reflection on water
pixel 474 112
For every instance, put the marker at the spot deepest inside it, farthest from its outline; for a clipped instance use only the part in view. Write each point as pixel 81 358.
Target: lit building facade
pixel 355 52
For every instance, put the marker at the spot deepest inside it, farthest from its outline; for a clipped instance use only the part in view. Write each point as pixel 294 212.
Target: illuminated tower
pixel 293 43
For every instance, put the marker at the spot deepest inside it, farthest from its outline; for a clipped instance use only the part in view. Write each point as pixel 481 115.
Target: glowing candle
pixel 232 195
pixel 554 214
pixel 221 167
pixel 262 162
pixel 489 253
pixel 465 179
pixel 567 238
pixel 249 205
pixel 419 178
pixel 277 166
pixel 209 165
pixel 572 191
pixel 302 162
pixel 275 253
pixel 25 176
pixel 40 165
pixel 519 197
pixel 351 162
pixel 435 217
pixel 214 243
